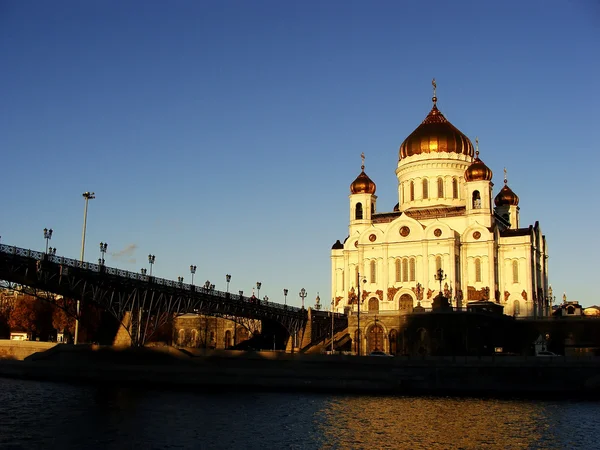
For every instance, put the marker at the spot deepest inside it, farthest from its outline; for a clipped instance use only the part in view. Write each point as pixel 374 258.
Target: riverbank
pixel 195 369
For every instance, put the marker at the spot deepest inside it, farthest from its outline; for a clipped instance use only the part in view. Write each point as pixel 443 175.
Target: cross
pixel 362 157
pixel 505 181
pixel 433 83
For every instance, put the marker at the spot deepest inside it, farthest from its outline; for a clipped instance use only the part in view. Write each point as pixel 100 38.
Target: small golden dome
pixel 478 171
pixel 506 196
pixel 435 135
pixel 363 184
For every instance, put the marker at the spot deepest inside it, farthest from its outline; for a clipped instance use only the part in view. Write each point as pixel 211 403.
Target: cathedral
pixel 448 236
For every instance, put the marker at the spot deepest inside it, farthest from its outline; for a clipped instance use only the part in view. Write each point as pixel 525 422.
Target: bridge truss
pixel 141 303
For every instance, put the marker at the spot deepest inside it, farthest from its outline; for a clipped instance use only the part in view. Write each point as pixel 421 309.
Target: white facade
pixel 446 218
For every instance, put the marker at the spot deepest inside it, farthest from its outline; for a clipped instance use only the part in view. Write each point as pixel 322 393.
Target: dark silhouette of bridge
pixel 143 303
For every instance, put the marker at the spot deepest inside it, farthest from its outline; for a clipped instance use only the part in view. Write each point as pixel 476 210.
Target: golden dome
pixel 506 196
pixel 435 135
pixel 478 171
pixel 363 184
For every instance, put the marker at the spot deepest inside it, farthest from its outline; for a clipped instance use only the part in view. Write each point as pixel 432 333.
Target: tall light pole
pixel 151 259
pixel 285 292
pixel 47 236
pixel 228 279
pixel 87 196
pixel 358 316
pixel 103 247
pixel 332 304
pixel 258 285
pixel 192 271
pixel 302 296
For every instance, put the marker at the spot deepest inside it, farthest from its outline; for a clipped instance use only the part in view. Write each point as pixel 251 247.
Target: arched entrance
pixel 227 341
pixel 375 339
pixel 241 334
pixel 373 304
pixel 393 342
pixel 406 303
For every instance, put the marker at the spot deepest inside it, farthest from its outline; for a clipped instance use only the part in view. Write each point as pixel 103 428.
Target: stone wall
pixel 19 350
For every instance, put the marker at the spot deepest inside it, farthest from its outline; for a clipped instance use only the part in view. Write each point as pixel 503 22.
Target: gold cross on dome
pixel 433 83
pixel 505 180
pixel 362 157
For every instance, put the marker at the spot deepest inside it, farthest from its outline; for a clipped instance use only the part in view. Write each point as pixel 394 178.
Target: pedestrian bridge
pixel 148 301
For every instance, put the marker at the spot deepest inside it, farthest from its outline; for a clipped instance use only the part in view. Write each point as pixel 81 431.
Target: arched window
pixel 515 268
pixel 412 191
pixel 477 270
pixel 411 269
pixel 440 186
pixel 406 303
pixel 398 271
pixel 181 337
pixel 402 187
pixel 373 304
pixel 194 342
pixel 372 209
pixel 227 340
pixel 373 272
pixel 454 188
pixel 516 308
pixel 438 263
pixel 358 214
pixel 476 200
pixel 404 269
pixel 425 188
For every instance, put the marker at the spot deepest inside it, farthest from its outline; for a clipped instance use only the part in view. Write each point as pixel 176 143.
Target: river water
pixel 45 415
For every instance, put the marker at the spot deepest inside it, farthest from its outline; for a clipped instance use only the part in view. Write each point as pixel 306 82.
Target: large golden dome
pixel 478 171
pixel 435 135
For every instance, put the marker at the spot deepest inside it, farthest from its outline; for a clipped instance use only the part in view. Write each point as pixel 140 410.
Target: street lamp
pixel 180 280
pixel 103 247
pixel 266 299
pixel 358 315
pixel 332 305
pixel 151 259
pixel 241 293
pixel 258 285
pixel 143 271
pixel 285 292
pixel 318 302
pixel 228 279
pixel 302 296
pixel 440 276
pixel 47 236
pixel 207 285
pixel 87 196
pixel 192 271
pixel 51 251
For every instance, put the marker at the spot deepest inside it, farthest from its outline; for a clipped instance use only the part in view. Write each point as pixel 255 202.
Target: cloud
pixel 125 255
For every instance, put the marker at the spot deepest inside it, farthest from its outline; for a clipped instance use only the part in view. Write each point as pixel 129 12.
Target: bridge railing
pixel 40 256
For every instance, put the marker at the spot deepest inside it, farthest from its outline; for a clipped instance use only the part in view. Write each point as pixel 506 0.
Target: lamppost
pixel 440 276
pixel 258 285
pixel 332 304
pixel 192 271
pixel 143 271
pixel 87 196
pixel 302 296
pixel 318 302
pixel 47 236
pixel 151 259
pixel 358 315
pixel 180 280
pixel 207 285
pixel 103 247
pixel 51 251
pixel 266 299
pixel 285 292
pixel 228 279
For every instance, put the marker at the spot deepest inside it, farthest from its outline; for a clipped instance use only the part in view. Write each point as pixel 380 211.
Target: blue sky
pixel 226 134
